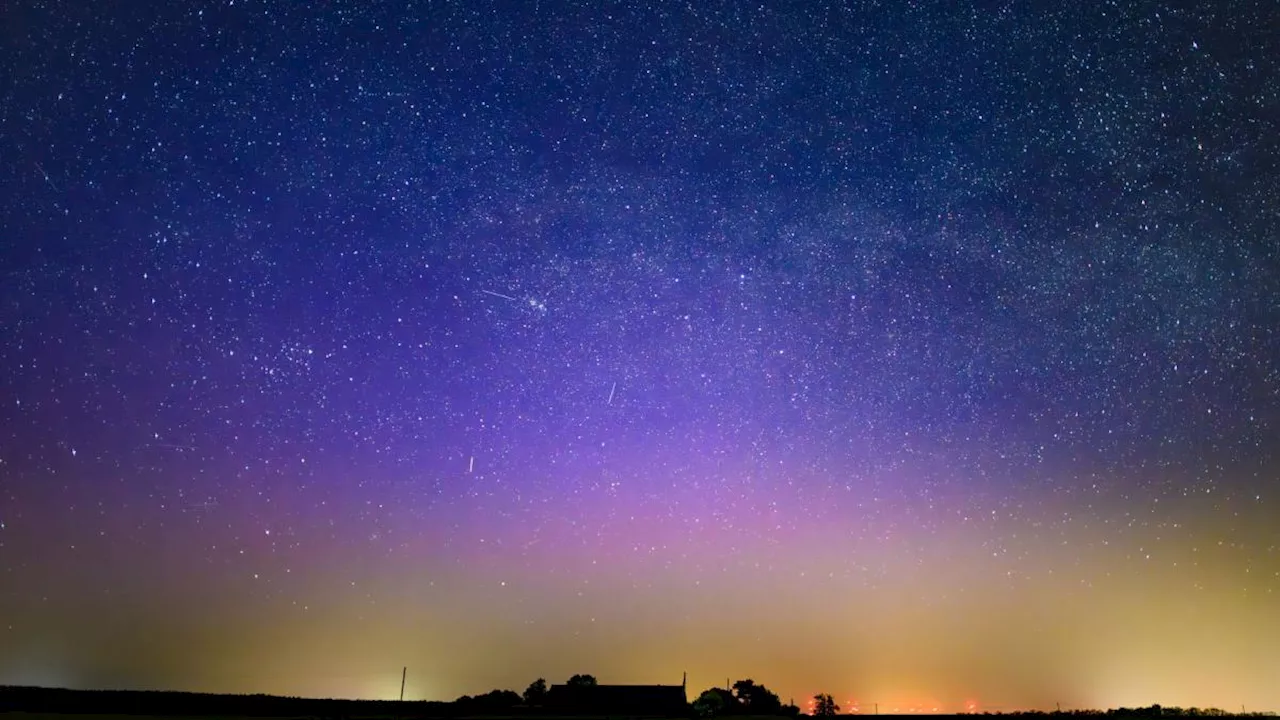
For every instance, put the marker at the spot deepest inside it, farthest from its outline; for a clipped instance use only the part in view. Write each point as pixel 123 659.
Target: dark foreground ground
pixel 89 715
pixel 31 703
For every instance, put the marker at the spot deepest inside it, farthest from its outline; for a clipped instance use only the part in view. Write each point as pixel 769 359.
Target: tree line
pixel 743 698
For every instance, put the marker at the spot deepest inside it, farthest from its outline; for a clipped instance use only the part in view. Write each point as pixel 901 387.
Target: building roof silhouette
pixel 619 700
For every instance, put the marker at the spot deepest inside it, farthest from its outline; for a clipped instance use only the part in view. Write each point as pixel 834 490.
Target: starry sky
pixel 926 354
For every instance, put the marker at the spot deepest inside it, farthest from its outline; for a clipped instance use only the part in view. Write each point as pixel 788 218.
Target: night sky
pixel 926 354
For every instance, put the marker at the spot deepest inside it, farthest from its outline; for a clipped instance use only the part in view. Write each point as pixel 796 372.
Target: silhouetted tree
pixel 536 692
pixel 756 699
pixel 580 680
pixel 492 701
pixel 825 706
pixel 716 702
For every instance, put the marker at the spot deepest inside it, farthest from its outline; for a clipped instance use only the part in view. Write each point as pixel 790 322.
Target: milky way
pixel 923 354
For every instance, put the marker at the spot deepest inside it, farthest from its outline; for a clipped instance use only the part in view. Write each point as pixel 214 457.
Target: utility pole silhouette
pixel 403 674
